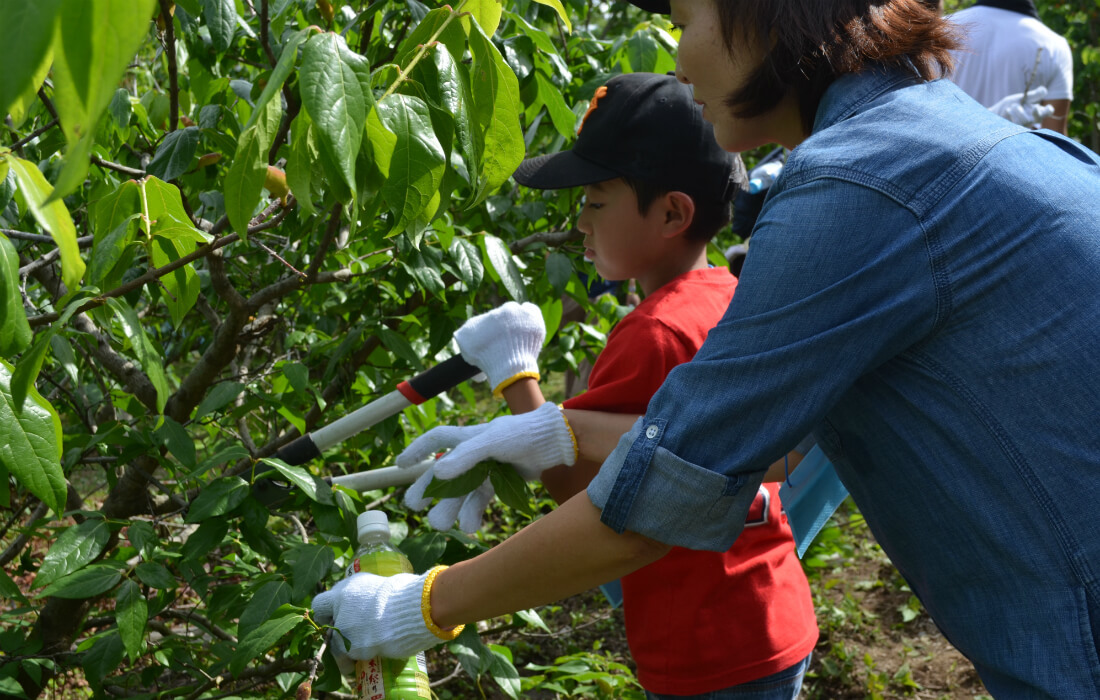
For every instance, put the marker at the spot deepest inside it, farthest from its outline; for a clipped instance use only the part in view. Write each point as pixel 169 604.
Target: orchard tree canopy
pixel 227 223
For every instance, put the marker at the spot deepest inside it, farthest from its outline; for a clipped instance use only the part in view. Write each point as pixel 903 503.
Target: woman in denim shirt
pixel 923 294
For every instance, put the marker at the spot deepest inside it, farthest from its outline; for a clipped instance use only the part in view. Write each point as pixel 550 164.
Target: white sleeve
pixel 1058 70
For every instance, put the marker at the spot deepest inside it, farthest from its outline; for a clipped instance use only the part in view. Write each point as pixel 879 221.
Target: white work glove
pixel 504 343
pixel 1027 112
pixel 467 510
pixel 379 616
pixel 532 442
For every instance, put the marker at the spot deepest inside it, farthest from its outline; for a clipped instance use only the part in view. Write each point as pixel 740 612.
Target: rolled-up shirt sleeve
pixel 820 303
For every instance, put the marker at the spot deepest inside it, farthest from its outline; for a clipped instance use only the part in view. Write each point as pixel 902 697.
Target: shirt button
pixel 651 432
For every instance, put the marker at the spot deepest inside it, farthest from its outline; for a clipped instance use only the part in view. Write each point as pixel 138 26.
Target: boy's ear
pixel 679 212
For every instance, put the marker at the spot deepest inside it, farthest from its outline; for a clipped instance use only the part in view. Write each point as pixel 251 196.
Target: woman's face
pixel 704 63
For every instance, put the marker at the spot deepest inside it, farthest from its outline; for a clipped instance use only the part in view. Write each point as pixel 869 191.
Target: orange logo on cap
pixel 601 92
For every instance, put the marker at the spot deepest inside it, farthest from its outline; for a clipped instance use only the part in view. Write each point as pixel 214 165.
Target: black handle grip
pixel 447 374
pixel 299 451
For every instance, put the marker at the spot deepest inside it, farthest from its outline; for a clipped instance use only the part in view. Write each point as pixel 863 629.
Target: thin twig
pixel 40 238
pixel 278 257
pixel 34 134
pixel 124 169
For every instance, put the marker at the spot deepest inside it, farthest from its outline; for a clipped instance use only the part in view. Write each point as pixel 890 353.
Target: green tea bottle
pixel 378 678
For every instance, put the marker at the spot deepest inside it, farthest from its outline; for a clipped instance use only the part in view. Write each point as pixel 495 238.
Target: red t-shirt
pixel 700 621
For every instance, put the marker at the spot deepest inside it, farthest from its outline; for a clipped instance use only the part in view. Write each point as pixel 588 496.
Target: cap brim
pixel 658 6
pixel 558 171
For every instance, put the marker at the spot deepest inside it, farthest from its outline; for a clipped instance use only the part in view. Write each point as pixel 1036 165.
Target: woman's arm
pixel 560 554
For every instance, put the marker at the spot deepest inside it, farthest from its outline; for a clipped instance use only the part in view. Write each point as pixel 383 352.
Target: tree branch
pixel 173 70
pixel 34 134
pixel 124 169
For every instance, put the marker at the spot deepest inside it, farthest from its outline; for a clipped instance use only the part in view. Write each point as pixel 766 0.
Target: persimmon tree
pixel 226 223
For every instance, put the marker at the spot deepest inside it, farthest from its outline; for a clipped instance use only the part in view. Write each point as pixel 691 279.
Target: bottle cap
pixel 372 522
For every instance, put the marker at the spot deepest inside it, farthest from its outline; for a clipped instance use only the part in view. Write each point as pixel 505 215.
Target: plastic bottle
pixel 762 176
pixel 379 678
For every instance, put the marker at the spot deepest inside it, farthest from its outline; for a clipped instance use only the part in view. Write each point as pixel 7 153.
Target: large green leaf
pixel 562 14
pixel 486 13
pixel 310 565
pixel 21 105
pixel 26 32
pixel 104 656
pixel 221 20
pixel 283 69
pixel 15 332
pixel 510 487
pixel 30 444
pixel 497 107
pixel 563 118
pixel 299 162
pixel 131 614
pixel 52 216
pixel 501 259
pixel 267 599
pixel 175 153
pixel 168 217
pixel 182 284
pixel 316 488
pixel 113 229
pixel 10 589
pixel 416 167
pixel 447 82
pixel 218 498
pixel 155 576
pixel 95 42
pixel 147 355
pixel 84 583
pixel 244 183
pixel 467 261
pixel 75 547
pixel 259 640
pixel 336 91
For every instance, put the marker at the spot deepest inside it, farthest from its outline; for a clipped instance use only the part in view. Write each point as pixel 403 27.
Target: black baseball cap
pixel 659 6
pixel 646 127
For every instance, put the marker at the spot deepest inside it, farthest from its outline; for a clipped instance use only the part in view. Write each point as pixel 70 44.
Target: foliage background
pixel 170 316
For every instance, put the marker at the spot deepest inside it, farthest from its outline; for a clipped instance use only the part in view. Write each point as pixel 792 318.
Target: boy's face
pixel 620 242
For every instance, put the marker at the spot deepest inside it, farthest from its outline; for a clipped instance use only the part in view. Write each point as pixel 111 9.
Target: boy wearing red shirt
pixel 657 189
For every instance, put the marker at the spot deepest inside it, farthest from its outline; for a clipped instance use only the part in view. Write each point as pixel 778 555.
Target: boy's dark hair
pixel 813 43
pixel 711 213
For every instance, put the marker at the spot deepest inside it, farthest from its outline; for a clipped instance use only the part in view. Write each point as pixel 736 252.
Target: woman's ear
pixel 679 212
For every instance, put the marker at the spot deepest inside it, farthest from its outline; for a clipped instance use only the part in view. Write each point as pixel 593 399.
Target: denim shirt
pixel 923 293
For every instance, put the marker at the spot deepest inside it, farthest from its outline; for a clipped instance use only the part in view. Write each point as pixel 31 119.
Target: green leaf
pixel 559 270
pixel 399 345
pixel 424 550
pixel 500 257
pixel 120 108
pixel 504 672
pixel 220 396
pixel 417 164
pixel 30 444
pixel 75 548
pixel 563 118
pixel 131 614
pixel 467 259
pixel 84 583
pixel 112 228
pixel 511 488
pixel 336 91
pixel 30 364
pixel 168 217
pixel 299 162
pixel 182 285
pixel 22 103
pixel 257 642
pixel 147 355
pixel 142 536
pixel 486 13
pixel 447 82
pixel 315 487
pixel 532 618
pixel 10 589
pixel 460 485
pixel 95 42
pixel 175 153
pixel 15 332
pixel 311 565
pixel 263 605
pixel 26 32
pixel 154 575
pixel 181 445
pixel 497 107
pixel 221 19
pixel 102 658
pixel 209 535
pixel 642 52
pixel 244 183
pixel 52 216
pixel 283 69
pixel 218 498
pixel 560 9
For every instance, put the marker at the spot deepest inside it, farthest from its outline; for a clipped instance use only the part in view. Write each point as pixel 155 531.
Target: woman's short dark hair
pixel 813 43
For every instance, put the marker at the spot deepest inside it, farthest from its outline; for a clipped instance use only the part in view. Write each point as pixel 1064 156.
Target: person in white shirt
pixel 1014 64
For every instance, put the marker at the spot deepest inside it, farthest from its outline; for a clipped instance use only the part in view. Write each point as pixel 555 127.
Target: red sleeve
pixel 640 353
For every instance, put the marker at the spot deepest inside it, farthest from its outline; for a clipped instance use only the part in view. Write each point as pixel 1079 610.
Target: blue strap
pixel 811 497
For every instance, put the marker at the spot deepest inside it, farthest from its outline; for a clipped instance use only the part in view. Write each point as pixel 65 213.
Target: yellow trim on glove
pixel 426 608
pixel 572 435
pixel 498 392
